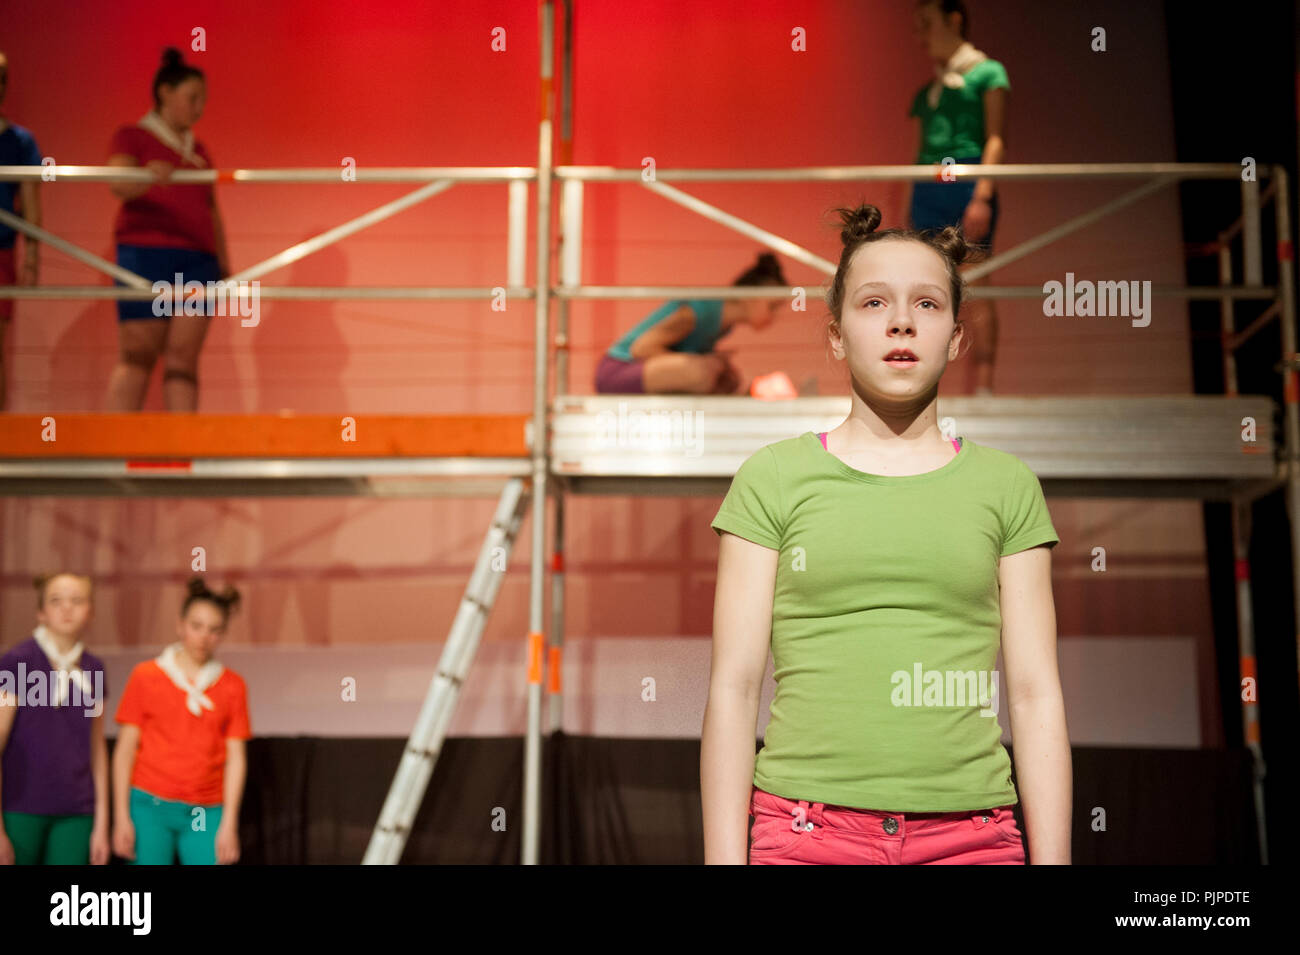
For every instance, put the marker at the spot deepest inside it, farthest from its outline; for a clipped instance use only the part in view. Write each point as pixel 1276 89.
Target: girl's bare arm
pixel 661 337
pixel 233 783
pixel 128 738
pixel 8 710
pixel 126 190
pixel 995 144
pixel 742 630
pixel 99 772
pixel 219 236
pixel 1036 707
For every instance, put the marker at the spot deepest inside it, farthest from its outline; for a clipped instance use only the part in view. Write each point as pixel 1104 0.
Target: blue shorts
pixel 936 205
pixel 158 264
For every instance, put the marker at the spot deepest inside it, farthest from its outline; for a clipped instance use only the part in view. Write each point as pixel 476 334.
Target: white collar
pixel 69 663
pixel 182 143
pixel 209 673
pixel 952 73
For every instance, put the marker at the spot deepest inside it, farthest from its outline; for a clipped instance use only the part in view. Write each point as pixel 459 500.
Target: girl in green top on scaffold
pixel 885 564
pixel 962 120
pixel 672 350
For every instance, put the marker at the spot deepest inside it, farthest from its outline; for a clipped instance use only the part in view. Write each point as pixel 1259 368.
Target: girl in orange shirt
pixel 179 764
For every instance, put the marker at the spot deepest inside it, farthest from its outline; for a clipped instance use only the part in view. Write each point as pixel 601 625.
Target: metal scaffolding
pixel 1182 447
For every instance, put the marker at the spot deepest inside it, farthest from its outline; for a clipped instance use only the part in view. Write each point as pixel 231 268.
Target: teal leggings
pixel 165 828
pixel 49 840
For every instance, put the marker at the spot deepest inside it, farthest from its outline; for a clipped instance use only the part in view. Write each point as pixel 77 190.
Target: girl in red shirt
pixel 162 230
pixel 179 764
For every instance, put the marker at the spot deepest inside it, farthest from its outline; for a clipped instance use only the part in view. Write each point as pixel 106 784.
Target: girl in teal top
pixel 884 570
pixel 672 349
pixel 961 118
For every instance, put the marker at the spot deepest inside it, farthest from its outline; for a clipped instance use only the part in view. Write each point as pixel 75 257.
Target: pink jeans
pixel 797 832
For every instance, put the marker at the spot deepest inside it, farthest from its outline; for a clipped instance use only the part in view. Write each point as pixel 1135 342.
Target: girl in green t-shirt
pixel 883 549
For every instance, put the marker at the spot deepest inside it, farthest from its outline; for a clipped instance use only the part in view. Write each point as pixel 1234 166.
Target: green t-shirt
pixel 956 126
pixel 879 576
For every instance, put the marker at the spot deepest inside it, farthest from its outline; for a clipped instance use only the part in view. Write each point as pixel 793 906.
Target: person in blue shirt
pixel 671 351
pixel 17 148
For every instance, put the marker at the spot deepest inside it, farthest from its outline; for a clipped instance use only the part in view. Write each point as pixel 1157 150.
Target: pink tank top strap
pixel 956 442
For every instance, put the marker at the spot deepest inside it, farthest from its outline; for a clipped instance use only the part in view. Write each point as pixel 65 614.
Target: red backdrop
pixel 696 85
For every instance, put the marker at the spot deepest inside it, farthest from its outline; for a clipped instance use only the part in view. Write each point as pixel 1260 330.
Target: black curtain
pixel 637 801
pixel 1233 75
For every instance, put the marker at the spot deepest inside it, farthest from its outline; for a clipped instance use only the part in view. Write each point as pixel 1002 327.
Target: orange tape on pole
pixel 225 175
pixel 154 466
pixel 1251 706
pixel 553 685
pixel 1241 569
pixel 1290 390
pixel 544 107
pixel 535 645
pixel 1248 668
pixel 557 562
pixel 1285 251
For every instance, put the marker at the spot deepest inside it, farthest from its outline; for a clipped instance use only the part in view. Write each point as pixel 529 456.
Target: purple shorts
pixel 616 377
pixel 797 832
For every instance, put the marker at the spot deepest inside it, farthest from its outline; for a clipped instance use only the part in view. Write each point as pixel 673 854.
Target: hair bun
pixel 171 57
pixel 858 223
pixel 230 597
pixel 196 586
pixel 951 243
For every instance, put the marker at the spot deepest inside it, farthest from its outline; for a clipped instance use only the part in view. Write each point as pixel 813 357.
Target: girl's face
pixel 66 605
pixel 182 104
pixel 201 629
pixel 896 297
pixel 935 36
pixel 762 312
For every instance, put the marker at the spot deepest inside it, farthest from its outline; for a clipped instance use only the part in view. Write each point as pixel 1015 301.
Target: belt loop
pixel 815 817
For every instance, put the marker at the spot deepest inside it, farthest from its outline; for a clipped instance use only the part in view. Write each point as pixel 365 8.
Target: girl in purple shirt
pixel 53 758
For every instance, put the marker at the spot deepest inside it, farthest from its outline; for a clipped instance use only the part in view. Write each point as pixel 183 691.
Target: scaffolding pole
pixel 1291 383
pixel 540 449
pixel 570 264
pixel 1239 514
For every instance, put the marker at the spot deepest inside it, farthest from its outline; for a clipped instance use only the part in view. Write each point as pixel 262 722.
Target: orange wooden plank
pixel 184 436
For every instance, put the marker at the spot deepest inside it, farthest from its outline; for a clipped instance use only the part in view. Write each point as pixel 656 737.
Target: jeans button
pixel 890 825
pixel 986 818
pixel 809 827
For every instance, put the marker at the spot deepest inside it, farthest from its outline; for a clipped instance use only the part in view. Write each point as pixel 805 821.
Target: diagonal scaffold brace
pixel 425 743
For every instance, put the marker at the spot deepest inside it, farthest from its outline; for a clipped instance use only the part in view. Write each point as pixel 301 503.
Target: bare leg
pixel 986 343
pixel 985 346
pixel 140 341
pixel 181 362
pixel 682 373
